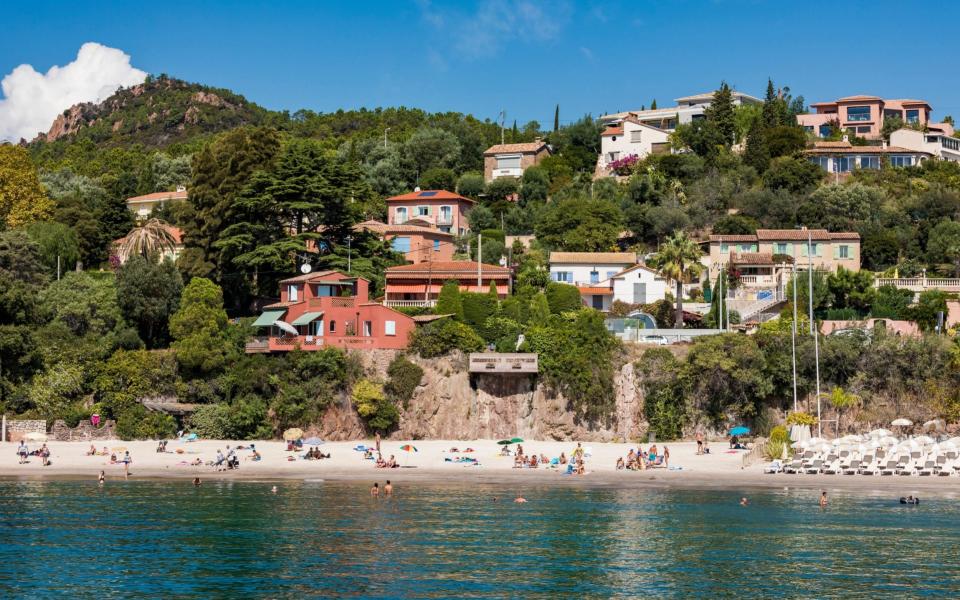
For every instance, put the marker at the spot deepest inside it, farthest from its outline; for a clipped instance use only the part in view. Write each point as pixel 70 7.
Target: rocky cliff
pixel 452 404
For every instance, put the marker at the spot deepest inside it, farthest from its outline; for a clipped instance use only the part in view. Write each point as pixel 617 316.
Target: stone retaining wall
pixel 16 429
pixel 84 432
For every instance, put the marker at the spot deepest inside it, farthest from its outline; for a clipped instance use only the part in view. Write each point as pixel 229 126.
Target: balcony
pixel 257 345
pixel 410 303
pixel 511 172
pixel 921 284
pixel 333 301
pixel 444 219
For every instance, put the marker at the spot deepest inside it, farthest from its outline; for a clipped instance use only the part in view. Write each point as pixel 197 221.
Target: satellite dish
pixel 305 268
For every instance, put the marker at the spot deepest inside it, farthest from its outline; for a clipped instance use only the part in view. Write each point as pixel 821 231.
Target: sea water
pixel 240 540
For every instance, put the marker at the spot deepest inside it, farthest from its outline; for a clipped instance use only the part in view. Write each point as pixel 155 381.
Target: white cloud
pixel 32 100
pixel 482 33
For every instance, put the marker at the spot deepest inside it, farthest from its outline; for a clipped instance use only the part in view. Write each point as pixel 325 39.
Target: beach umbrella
pixel 852 439
pixel 802 444
pixel 408 448
pixel 879 433
pixel 924 439
pixel 887 440
pixel 313 441
pixel 505 442
pixel 516 441
pixel 287 327
pixel 35 436
pixel 901 422
pixel 293 434
pixel 740 430
pixel 816 441
pixel 191 437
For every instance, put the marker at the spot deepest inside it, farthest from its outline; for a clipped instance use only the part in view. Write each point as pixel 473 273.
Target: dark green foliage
pixel 404 377
pixel 663 395
pixel 477 308
pixel 148 294
pixel 796 175
pixel 725 377
pixel 563 297
pixel 440 337
pixel 439 179
pixel 925 311
pixel 891 303
pixel 199 329
pixel 720 114
pixel 138 423
pixel 757 153
pixel 735 225
pixel 449 301
pixel 579 225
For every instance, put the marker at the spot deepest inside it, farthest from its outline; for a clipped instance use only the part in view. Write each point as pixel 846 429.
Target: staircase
pixel 756 311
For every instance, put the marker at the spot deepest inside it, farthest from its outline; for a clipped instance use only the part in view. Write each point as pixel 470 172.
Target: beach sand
pixel 721 469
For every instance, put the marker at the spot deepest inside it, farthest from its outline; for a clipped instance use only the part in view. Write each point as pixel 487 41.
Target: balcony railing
pixel 443 219
pixel 259 344
pixel 410 303
pixel 334 301
pixel 920 283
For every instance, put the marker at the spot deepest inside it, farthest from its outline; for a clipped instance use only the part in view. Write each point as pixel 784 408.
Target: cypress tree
pixel 556 118
pixel 770 117
pixel 449 301
pixel 720 113
pixel 756 154
pixel 653 105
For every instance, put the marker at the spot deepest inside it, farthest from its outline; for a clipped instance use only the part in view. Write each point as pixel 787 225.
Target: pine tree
pixel 449 301
pixel 653 105
pixel 756 154
pixel 721 114
pixel 539 310
pixel 515 133
pixel 770 116
pixel 493 291
pixel 556 118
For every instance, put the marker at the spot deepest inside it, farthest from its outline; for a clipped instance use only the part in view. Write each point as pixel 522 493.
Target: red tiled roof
pixel 526 147
pixel 596 291
pixel 847 148
pixel 612 130
pixel 320 275
pixel 752 258
pixel 440 268
pixel 772 235
pixel 593 258
pixel 384 229
pixel 158 196
pixel 845 235
pixel 733 238
pixel 429 195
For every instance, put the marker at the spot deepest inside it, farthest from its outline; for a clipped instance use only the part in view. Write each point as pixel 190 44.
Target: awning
pixel 267 318
pixel 307 318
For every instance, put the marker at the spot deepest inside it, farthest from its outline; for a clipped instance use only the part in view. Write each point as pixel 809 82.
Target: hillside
pixel 159 112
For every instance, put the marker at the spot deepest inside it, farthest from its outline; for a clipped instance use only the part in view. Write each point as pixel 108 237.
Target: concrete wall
pixel 83 432
pixel 16 429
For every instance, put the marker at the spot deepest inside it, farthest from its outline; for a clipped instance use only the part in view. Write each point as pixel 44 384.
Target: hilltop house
pixel 444 210
pixel 174 254
pixel 637 284
pixel 420 284
pixel 936 143
pixel 511 160
pixel 588 268
pixel 417 240
pixel 843 157
pixel 328 308
pixel 142 206
pixel 864 116
pixel 630 137
pixel 687 109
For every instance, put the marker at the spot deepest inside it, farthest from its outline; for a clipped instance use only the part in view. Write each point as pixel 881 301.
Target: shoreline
pixel 720 471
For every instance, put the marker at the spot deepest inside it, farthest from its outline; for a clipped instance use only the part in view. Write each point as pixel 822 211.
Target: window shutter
pixel 836 252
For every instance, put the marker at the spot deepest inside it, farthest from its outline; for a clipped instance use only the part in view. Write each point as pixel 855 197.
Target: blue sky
pixel 520 55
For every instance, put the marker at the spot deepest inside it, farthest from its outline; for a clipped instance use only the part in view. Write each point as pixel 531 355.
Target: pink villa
pixel 444 210
pixel 864 115
pixel 420 284
pixel 417 240
pixel 329 308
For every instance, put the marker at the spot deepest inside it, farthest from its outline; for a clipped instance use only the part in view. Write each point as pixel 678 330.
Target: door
pixel 639 293
pixel 598 301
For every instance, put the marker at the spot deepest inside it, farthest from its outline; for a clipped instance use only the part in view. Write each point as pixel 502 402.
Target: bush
pixel 477 308
pixel 774 450
pixel 449 301
pixel 801 418
pixel 502 331
pixel 404 379
pixel 562 297
pixel 440 337
pixel 780 434
pixel 374 406
pixel 137 424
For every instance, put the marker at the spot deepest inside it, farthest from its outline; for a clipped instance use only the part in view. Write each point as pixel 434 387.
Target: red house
pixel 420 284
pixel 444 210
pixel 329 308
pixel 415 239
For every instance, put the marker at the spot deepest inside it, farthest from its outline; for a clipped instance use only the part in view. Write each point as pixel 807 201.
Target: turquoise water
pixel 239 540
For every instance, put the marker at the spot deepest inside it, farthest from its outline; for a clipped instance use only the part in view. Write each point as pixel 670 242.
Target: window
pixel 843 251
pixel 780 248
pixel 864 129
pixel 843 164
pixel 598 302
pixel 423 211
pixel 318 327
pixel 436 245
pixel 816 249
pixel 323 291
pixel 901 161
pixel 822 161
pixel 447 229
pixel 400 244
pixel 635 136
pixel 333 326
pixel 892 114
pixel 869 162
pixel 446 214
pixel 858 113
pixel 594 277
pixel 508 162
pixel 808 128
pixel 611 274
pixel 825 131
pixel 367 328
pixel 913 116
pixel 401 215
pixel 613 156
pixel 293 293
pixel 639 293
pixel 724 248
pixel 390 328
pixel 563 276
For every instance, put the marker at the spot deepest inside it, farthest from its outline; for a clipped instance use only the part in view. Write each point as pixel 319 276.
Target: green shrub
pixel 774 450
pixel 373 405
pixel 440 337
pixel 449 301
pixel 404 379
pixel 477 308
pixel 138 423
pixel 801 418
pixel 503 332
pixel 562 297
pixel 780 434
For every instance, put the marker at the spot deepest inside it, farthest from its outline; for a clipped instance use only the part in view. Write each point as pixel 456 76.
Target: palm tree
pixel 679 261
pixel 153 237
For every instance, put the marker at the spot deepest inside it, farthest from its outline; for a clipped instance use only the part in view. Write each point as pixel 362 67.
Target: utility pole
pixel 793 335
pixel 720 297
pixel 816 338
pixel 479 262
pixel 349 253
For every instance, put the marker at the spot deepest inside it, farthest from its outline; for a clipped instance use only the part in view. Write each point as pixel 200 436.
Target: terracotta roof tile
pixel 587 258
pixel 522 148
pixel 439 268
pixel 429 195
pixel 158 196
pixel 775 235
pixel 597 291
pixel 385 229
pixel 733 238
pixel 612 130
pixel 752 258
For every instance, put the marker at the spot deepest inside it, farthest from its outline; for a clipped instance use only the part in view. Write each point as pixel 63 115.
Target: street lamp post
pixel 349 253
pixel 793 334
pixel 813 332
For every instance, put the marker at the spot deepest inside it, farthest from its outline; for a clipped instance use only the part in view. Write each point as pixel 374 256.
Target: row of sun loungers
pixel 913 463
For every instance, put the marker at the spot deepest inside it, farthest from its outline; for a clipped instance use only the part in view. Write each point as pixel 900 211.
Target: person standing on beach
pixel 23 451
pixel 378 442
pixel 699 441
pixel 388 488
pixel 375 490
pixel 126 464
pixel 823 499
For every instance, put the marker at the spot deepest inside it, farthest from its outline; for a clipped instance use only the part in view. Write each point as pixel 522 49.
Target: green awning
pixel 268 317
pixel 306 318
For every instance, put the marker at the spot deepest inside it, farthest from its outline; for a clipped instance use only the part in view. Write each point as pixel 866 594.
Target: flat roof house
pixel 142 206
pixel 447 211
pixel 511 160
pixel 328 308
pixel 416 240
pixel 843 157
pixel 420 284
pixel 686 110
pixel 936 143
pixel 864 115
pixel 588 268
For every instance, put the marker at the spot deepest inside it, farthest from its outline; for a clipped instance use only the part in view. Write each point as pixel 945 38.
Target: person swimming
pixel 823 499
pixel 909 500
pixel 744 501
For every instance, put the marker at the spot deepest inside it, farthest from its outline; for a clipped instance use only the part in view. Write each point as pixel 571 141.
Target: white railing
pixel 920 283
pixel 757 308
pixel 410 303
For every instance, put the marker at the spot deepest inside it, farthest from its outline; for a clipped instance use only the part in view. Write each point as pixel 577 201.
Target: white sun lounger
pixel 814 468
pixel 853 468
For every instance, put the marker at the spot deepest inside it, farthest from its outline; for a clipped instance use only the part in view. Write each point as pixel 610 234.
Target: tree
pixel 943 246
pixel 721 114
pixel 438 179
pixel 851 289
pixel 471 185
pixel 841 207
pixel 153 238
pixel 449 301
pixel 891 302
pixel 481 218
pixel 725 377
pixel 431 147
pixel 148 293
pixel 821 290
pixel 797 175
pixel 534 186
pixel 735 225
pixel 580 225
pixel 58 244
pixel 22 197
pixel 679 261
pixel 842 401
pixel 927 309
pixel 771 116
pixel 756 153
pixel 374 406
pixel 653 105
pixel 556 119
pixel 785 140
pixel 199 328
pixel 84 303
pixel 562 297
pixel 501 190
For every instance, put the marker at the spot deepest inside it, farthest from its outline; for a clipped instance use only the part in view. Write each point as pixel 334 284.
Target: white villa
pixel 938 143
pixel 142 206
pixel 605 277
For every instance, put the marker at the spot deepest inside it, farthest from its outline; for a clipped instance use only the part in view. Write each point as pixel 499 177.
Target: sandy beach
pixel 722 469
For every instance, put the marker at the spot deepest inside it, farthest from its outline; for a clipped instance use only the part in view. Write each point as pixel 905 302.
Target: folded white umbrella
pixel 888 440
pixel 817 440
pixel 802 444
pixel 955 441
pixel 901 422
pixel 924 439
pixel 948 445
pixel 879 433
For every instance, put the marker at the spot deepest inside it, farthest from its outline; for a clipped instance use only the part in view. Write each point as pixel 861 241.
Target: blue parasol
pixel 740 430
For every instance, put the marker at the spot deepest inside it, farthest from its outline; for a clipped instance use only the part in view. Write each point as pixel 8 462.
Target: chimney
pixel 846 138
pixel 884 144
pixel 181 188
pixel 537 139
